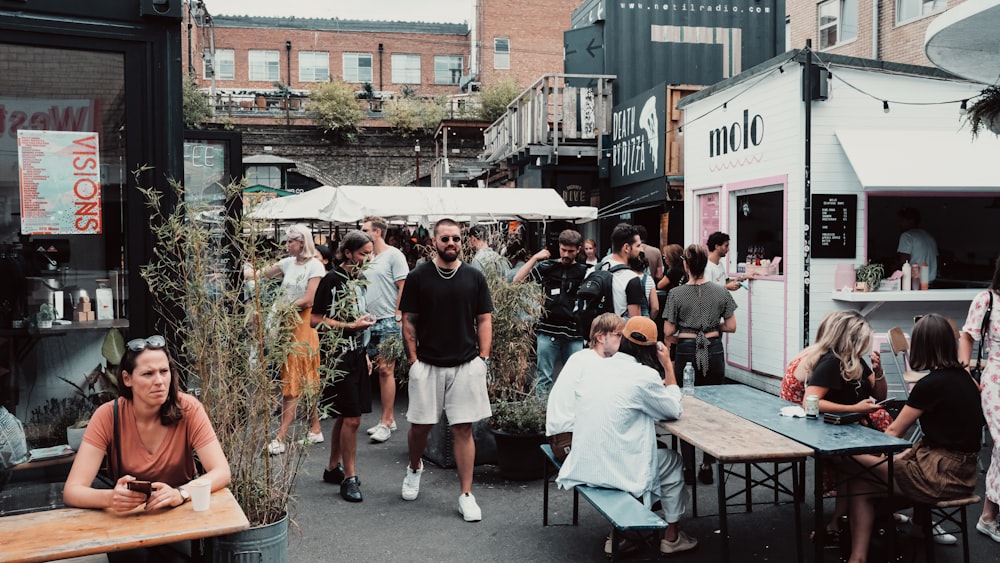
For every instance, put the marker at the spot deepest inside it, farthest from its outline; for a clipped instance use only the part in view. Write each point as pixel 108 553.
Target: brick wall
pixel 898 43
pixel 535 30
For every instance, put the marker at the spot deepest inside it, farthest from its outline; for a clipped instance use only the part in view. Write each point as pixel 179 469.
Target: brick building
pixel 845 27
pixel 521 39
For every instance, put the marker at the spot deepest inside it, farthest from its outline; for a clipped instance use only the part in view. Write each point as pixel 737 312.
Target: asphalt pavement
pixel 386 528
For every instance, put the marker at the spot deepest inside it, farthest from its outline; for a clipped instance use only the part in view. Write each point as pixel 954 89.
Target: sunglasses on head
pixel 155 342
pixel 454 238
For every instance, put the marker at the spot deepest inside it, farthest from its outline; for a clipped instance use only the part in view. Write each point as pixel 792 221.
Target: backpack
pixel 595 296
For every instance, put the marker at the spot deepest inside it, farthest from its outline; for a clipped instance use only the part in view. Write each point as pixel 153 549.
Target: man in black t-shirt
pixel 557 335
pixel 447 334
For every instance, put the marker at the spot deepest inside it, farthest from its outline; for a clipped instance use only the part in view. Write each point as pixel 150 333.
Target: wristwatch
pixel 485 359
pixel 185 496
pixel 399 317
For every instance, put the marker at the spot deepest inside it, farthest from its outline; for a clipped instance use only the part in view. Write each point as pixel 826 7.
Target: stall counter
pixel 875 299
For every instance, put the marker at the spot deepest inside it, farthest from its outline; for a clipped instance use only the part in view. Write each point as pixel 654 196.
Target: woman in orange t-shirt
pixel 159 431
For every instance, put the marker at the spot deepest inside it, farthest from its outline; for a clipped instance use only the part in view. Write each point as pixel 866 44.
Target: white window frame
pixel 501 53
pixel 354 71
pixel 264 65
pixel 909 10
pixel 444 67
pixel 403 69
pixel 265 175
pixel 845 29
pixel 224 64
pixel 314 66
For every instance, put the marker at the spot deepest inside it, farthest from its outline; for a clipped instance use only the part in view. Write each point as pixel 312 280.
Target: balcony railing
pixel 553 118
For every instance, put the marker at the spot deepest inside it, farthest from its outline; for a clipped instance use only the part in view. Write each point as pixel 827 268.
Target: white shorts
pixel 460 391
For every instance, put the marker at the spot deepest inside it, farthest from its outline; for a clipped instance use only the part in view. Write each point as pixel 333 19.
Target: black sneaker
pixel 350 489
pixel 334 476
pixel 705 475
pixel 689 476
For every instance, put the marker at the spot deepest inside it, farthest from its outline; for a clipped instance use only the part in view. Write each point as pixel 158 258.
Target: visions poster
pixel 60 180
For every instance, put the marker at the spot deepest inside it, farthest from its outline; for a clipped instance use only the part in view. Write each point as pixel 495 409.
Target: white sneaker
pixel 381 433
pixel 991 529
pixel 275 447
pixel 411 483
pixel 942 537
pixel 468 508
pixel 316 438
pixel 392 426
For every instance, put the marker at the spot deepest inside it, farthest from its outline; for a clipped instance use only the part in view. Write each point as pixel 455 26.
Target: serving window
pixel 758 240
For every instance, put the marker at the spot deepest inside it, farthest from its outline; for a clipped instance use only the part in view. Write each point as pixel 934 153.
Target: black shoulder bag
pixel 984 332
pixel 111 470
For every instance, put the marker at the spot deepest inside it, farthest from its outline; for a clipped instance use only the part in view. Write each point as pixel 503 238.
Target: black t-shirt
pixel 559 283
pixel 447 310
pixel 342 298
pixel 952 413
pixel 827 374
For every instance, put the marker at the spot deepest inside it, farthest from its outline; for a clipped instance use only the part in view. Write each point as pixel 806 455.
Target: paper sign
pixel 60 179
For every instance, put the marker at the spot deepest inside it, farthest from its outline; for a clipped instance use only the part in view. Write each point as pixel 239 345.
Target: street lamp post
pixel 416 151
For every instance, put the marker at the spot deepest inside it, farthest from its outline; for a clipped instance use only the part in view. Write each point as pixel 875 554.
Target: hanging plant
pixel 985 111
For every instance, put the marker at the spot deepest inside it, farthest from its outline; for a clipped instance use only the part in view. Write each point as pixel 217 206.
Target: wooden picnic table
pixel 74 532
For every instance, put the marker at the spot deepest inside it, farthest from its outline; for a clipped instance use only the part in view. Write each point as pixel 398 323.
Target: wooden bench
pixel 946 511
pixel 622 510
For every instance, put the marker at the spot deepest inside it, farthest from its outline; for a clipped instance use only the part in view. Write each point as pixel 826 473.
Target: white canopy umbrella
pixel 349 204
pixel 965 41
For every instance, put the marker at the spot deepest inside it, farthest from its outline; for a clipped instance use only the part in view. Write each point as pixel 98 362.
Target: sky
pixel 454 11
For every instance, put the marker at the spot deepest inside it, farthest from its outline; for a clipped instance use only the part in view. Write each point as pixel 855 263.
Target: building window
pixel 501 53
pixel 357 67
pixel 447 69
pixel 223 65
pixel 911 9
pixel 314 66
pixel 406 69
pixel 838 22
pixel 264 65
pixel 269 176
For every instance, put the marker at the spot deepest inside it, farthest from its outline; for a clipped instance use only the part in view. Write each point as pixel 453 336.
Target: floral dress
pixel 990 380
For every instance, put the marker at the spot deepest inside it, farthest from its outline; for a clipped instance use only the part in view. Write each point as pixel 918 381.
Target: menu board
pixel 834 225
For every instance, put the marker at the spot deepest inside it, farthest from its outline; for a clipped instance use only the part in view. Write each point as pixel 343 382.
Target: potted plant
pixel 985 111
pixel 99 386
pixel 45 316
pixel 870 275
pixel 228 341
pixel 519 428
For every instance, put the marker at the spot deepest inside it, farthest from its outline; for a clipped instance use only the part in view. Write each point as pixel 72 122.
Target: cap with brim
pixel 640 331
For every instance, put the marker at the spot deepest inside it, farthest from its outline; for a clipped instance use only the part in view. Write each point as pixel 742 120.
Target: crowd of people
pixel 667 310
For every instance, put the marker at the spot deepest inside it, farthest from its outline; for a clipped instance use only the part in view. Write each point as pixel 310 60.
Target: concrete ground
pixel 386 528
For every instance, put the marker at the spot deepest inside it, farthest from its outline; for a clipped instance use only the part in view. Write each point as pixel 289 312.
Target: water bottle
pixel 688 387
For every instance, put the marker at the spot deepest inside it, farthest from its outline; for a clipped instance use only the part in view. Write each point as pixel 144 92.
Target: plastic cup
pixel 201 493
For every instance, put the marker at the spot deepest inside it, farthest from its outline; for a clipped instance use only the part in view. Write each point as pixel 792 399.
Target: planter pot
pixel 518 456
pixel 260 543
pixel 74 437
pixel 440 448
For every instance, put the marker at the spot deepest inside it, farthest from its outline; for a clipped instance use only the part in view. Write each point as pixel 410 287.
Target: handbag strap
pixel 115 446
pixel 984 330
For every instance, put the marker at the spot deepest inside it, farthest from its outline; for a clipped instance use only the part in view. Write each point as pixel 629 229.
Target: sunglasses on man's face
pixel 455 238
pixel 155 342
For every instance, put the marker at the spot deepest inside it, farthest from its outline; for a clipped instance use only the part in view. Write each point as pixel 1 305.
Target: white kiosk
pixel 877 137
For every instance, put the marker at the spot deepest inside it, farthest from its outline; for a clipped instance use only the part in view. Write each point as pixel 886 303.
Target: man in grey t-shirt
pixel 386 274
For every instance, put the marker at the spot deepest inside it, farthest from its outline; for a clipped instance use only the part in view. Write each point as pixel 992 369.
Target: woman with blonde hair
pixel 793 385
pixel 300 274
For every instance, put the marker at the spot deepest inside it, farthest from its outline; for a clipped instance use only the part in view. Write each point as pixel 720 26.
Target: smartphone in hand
pixel 144 487
pixel 887 400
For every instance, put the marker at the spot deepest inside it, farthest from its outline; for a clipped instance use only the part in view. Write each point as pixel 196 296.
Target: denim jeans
pixel 550 350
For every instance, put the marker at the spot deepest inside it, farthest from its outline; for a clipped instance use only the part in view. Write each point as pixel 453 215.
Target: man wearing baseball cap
pixel 614 436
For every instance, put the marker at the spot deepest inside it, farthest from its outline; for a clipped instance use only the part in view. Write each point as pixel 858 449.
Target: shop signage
pixel 42 115
pixel 638 138
pixel 834 225
pixel 740 135
pixel 60 181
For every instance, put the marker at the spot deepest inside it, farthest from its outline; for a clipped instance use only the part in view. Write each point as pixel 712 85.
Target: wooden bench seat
pixel 622 510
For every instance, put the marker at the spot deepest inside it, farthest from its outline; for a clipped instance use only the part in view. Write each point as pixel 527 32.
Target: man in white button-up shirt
pixel 614 434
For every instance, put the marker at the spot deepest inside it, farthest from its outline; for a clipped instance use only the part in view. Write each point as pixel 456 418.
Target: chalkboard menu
pixel 834 225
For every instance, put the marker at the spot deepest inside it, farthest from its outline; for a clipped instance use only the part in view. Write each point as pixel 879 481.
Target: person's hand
pixel 876 360
pixel 542 254
pixel 124 499
pixel 164 496
pixel 866 406
pixel 363 322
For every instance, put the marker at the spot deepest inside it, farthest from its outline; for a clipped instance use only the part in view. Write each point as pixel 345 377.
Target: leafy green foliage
pixel 871 274
pixel 410 114
pixel 525 417
pixel 335 106
pixel 196 105
pixel 985 111
pixel 493 99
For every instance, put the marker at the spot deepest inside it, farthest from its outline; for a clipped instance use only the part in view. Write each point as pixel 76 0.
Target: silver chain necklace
pixel 442 273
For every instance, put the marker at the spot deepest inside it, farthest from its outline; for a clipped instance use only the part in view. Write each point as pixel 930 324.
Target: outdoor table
pixel 732 440
pixel 73 532
pixel 827 440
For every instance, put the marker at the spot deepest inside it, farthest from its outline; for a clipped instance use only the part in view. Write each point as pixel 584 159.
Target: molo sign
pixel 736 137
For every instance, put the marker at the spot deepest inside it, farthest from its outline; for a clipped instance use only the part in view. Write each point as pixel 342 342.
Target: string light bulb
pixel 725 105
pixel 964 108
pixel 885 106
